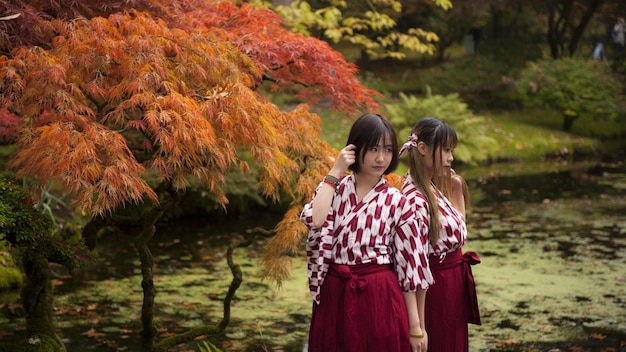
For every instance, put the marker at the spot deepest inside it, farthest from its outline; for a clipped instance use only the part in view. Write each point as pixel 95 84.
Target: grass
pixel 520 135
pixel 533 134
pixel 335 127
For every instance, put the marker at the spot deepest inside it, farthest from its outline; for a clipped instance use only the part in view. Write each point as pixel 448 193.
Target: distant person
pixel 469 44
pixel 477 34
pixel 472 40
pixel 598 50
pixel 618 34
pixel 366 264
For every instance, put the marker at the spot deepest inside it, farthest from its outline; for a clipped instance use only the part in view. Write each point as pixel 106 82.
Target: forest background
pixel 114 121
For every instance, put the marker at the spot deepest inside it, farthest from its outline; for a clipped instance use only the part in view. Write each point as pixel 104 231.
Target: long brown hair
pixel 436 134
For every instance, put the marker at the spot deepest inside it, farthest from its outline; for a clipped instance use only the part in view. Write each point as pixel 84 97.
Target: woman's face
pixel 445 160
pixel 439 162
pixel 376 159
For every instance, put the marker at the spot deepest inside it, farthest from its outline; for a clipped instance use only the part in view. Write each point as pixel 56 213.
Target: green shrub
pixel 480 81
pixel 242 190
pixel 474 146
pixel 576 88
pixel 528 135
pixel 10 275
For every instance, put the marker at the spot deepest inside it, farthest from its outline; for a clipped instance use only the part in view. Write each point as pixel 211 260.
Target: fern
pixel 474 146
pixel 208 347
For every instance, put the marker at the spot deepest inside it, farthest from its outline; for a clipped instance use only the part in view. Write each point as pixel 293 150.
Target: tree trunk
pixel 37 298
pixel 568 121
pixel 148 332
pixel 205 330
pixel 552 35
pixel 579 30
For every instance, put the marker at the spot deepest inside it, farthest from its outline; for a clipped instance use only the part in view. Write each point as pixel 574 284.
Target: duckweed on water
pixel 556 287
pixel 552 278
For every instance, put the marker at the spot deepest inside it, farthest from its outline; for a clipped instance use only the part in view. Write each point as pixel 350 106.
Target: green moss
pixel 40 343
pixel 10 277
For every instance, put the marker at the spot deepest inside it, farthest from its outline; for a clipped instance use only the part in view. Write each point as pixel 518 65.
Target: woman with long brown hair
pixel 439 198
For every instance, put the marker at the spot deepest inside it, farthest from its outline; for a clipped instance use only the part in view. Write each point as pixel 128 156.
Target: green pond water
pixel 551 236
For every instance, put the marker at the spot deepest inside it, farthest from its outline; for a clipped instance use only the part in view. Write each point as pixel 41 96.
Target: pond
pixel 552 240
pixel 551 236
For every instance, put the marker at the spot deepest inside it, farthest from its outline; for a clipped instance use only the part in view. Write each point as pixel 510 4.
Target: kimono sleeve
pixel 306 216
pixel 410 254
pixel 318 248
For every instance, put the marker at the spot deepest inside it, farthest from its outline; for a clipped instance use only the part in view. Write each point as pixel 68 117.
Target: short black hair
pixel 366 132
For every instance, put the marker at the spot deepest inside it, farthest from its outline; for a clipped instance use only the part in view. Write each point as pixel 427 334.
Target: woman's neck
pixel 365 181
pixel 429 175
pixel 364 184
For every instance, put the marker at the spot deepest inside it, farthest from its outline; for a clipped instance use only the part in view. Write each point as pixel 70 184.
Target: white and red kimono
pixel 355 310
pixel 451 300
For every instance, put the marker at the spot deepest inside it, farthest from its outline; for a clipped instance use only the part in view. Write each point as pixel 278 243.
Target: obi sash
pixel 354 279
pixel 320 246
pixel 467 259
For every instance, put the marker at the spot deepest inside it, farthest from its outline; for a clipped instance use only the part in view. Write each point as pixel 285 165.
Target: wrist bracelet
pixel 420 336
pixel 332 181
pixel 332 178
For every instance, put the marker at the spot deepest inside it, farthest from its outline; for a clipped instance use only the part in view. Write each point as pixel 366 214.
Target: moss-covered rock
pixel 41 343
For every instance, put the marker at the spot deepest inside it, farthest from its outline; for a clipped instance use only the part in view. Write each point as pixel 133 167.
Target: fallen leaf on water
pixel 4 333
pixel 598 336
pixel 506 342
pixel 93 333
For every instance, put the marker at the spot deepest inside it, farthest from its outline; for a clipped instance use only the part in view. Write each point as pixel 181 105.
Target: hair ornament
pixel 410 143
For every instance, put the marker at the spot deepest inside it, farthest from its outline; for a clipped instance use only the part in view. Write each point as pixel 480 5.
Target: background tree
pixel 124 112
pixel 451 25
pixel 566 23
pixel 32 235
pixel 371 25
pixel 574 87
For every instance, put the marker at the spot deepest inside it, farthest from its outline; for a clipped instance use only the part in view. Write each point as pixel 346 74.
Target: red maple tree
pixel 124 111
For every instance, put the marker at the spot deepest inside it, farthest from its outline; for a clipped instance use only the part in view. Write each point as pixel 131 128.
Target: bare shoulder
pixel 460 192
pixel 457 183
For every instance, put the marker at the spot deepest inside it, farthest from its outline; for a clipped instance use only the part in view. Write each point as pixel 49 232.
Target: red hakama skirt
pixel 361 309
pixel 451 302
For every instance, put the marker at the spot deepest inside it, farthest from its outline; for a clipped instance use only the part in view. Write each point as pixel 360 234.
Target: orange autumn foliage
pixel 111 107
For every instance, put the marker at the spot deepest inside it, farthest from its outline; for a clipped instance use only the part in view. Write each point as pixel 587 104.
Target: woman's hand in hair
pixel 346 157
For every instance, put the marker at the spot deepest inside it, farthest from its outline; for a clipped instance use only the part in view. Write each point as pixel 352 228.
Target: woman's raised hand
pixel 346 157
